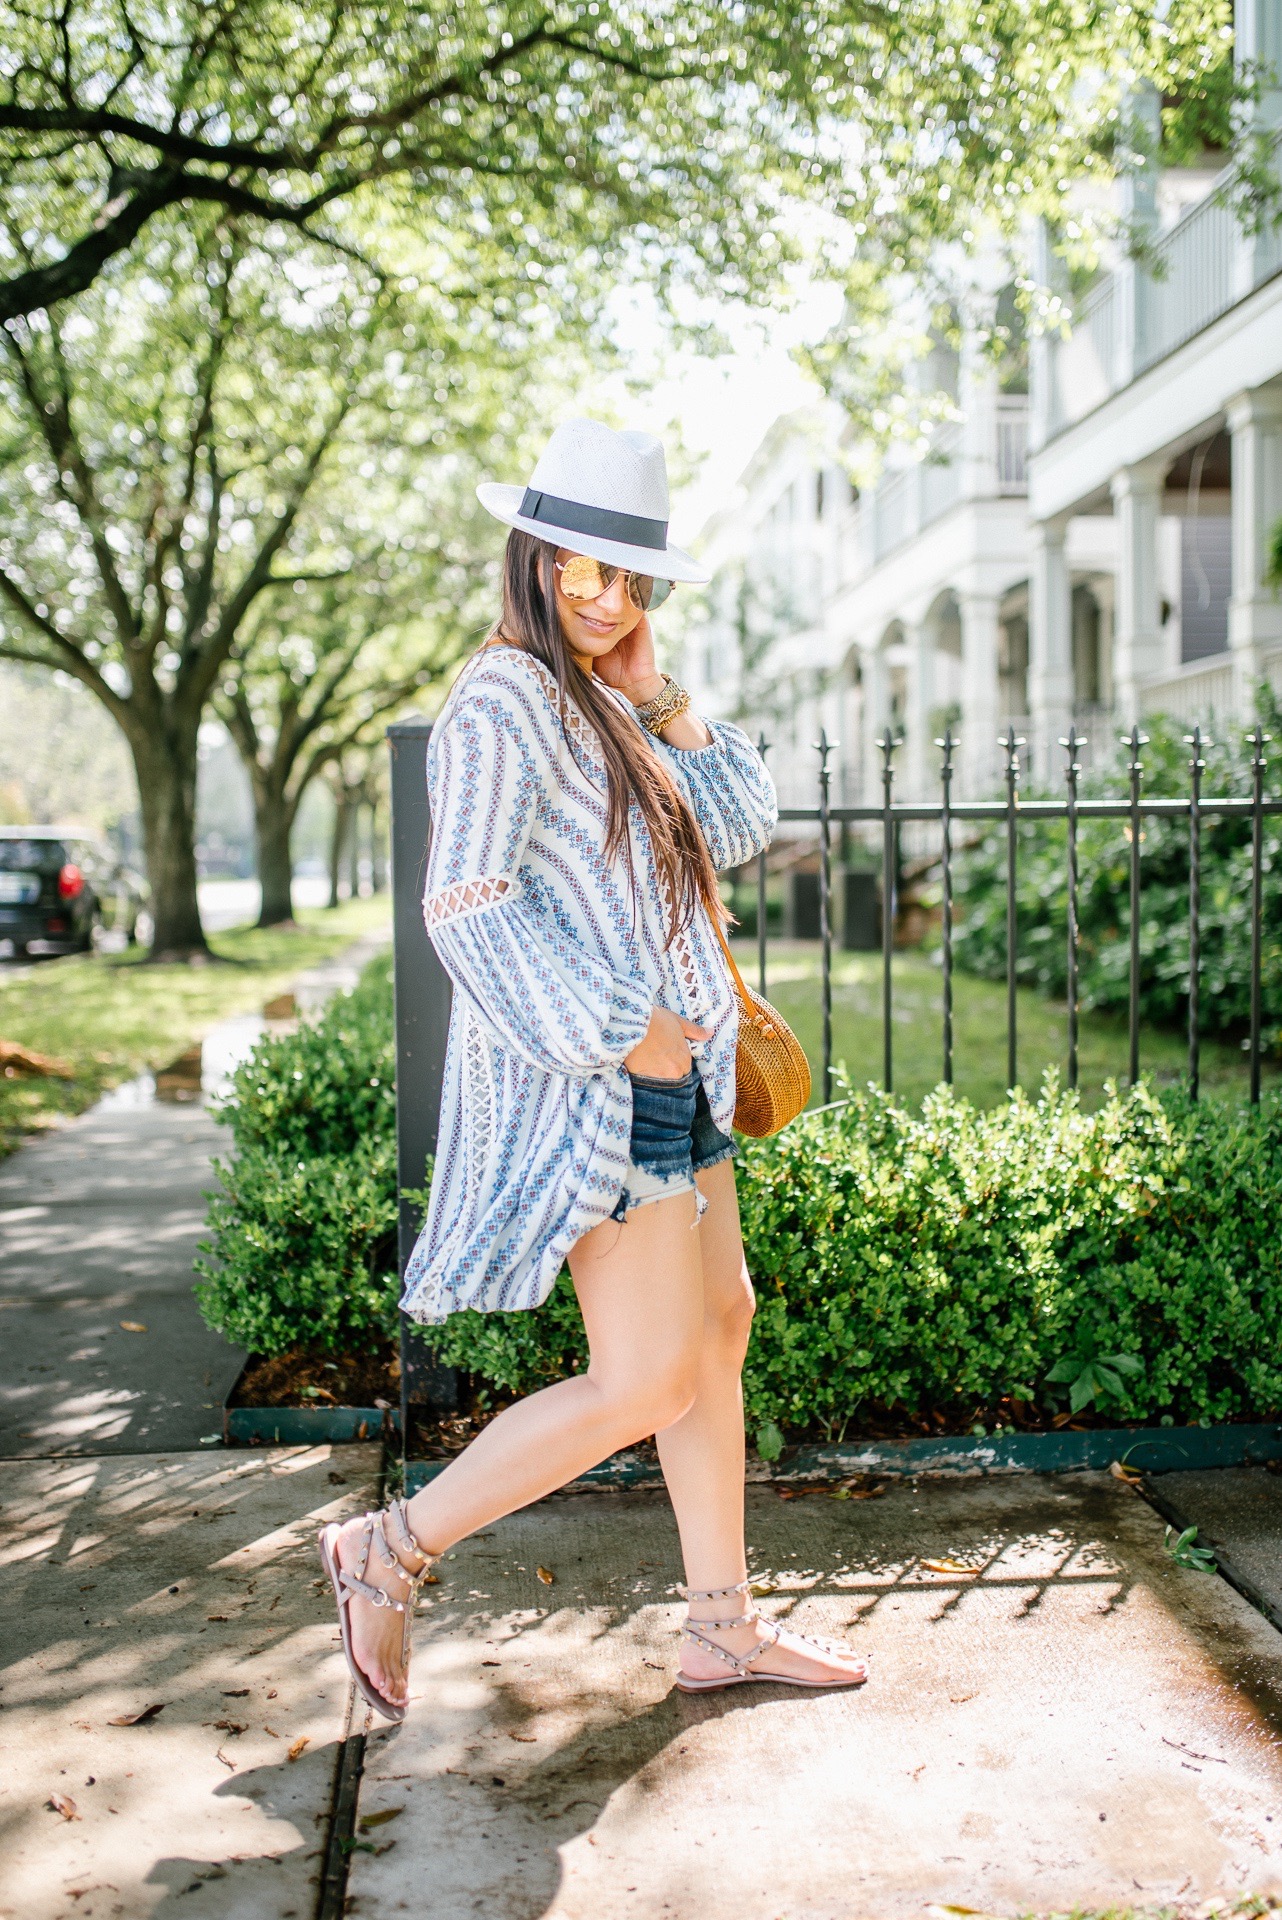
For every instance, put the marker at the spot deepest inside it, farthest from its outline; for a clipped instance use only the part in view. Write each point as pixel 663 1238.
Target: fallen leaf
pixel 1127 1475
pixel 527 1739
pixel 948 1565
pixel 960 1699
pixel 60 1803
pixel 137 1719
pixel 491 1663
pixel 760 1588
pixel 369 1820
pixel 218 1616
pixel 231 1726
pixel 296 1746
pixel 546 1575
pixel 235 1693
pixel 133 1326
pixel 271 1693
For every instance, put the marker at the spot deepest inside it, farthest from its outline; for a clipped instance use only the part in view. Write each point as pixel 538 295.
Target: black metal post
pixel 763 748
pixel 948 745
pixel 887 745
pixel 823 747
pixel 1133 741
pixel 1012 744
pixel 1197 766
pixel 1257 742
pixel 422 1026
pixel 1072 774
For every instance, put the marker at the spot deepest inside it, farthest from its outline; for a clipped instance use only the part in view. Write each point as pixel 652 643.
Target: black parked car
pixel 59 888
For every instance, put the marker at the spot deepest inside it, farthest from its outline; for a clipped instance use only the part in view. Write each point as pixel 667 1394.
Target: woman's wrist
pixel 641 692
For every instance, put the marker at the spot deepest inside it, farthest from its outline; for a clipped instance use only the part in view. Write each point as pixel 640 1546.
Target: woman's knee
pixel 642 1400
pixel 728 1313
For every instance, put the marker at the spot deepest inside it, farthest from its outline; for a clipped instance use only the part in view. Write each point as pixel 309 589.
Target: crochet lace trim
pixel 465 897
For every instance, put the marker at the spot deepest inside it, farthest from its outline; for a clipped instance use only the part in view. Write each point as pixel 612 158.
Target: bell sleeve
pixel 543 997
pixel 731 792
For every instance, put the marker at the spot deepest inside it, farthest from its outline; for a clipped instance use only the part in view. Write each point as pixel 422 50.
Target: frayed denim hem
pixel 641 1188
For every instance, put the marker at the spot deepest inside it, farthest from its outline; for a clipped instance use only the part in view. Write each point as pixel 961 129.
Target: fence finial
pixel 1074 742
pixel 1133 741
pixel 1197 743
pixel 1011 742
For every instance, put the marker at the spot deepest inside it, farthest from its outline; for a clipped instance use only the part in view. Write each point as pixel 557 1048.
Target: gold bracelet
pixel 660 712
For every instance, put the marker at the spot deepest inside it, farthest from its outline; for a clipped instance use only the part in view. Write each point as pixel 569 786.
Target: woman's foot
pixel 394 1564
pixel 724 1645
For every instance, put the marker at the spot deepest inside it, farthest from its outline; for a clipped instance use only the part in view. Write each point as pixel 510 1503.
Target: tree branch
pixel 70 656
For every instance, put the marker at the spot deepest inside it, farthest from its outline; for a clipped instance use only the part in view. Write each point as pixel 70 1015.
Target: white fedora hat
pixel 599 492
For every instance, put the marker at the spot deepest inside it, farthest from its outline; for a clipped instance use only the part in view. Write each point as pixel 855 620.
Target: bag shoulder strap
pixel 719 929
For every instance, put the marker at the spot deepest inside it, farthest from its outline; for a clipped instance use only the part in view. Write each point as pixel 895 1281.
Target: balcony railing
pixel 1197 271
pixel 905 502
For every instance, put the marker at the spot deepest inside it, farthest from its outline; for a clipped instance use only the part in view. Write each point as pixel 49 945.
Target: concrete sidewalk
pixel 104 1348
pixel 1078 1723
pixel 189 1582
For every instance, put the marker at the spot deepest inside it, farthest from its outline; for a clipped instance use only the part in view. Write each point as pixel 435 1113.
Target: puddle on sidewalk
pixel 204 1072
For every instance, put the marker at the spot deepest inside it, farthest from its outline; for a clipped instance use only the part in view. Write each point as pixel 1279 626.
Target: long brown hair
pixel 633 770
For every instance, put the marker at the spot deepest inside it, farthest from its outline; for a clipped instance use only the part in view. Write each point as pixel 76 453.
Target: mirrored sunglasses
pixel 583 578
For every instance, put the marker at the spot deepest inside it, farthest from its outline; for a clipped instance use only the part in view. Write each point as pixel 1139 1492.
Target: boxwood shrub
pixel 303 1228
pixel 935 1260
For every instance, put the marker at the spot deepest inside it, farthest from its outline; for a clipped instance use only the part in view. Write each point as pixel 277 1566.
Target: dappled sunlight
pixel 171 1644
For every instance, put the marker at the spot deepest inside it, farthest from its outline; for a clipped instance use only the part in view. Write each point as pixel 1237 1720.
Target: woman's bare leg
pixel 703 1455
pixel 640 1287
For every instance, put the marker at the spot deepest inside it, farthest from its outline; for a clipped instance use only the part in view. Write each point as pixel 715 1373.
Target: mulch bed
pixel 302 1379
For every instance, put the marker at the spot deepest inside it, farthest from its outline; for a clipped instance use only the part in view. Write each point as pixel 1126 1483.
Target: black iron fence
pixel 1014 810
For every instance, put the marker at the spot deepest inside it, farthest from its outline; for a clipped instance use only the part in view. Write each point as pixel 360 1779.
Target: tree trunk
pixel 378 865
pixel 337 841
pixel 354 851
pixel 273 827
pixel 165 765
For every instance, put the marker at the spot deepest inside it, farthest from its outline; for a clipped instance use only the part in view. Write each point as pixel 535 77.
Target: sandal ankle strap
pixel 714 1593
pixel 739 1661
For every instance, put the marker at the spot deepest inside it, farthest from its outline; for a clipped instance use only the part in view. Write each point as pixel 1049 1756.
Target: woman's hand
pixel 664 1054
pixel 630 667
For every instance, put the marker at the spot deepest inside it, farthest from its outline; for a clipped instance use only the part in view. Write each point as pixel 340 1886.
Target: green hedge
pixel 919 1261
pixel 949 1259
pixel 1104 894
pixel 303 1231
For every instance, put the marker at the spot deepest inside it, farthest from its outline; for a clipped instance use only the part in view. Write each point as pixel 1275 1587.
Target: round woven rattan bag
pixel 772 1074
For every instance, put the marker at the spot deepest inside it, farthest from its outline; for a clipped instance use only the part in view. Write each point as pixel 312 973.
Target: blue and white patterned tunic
pixel 557 958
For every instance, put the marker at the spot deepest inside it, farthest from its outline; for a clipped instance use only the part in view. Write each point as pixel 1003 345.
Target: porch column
pixel 876 714
pixel 919 753
pixel 1137 638
pixel 979 752
pixel 1050 642
pixel 1255 610
pixel 1257 54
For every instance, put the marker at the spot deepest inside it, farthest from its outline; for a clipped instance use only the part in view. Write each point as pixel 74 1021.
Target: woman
pixel 580 810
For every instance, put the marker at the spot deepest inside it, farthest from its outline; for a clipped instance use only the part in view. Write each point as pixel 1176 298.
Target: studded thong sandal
pixel 348 1586
pixel 740 1664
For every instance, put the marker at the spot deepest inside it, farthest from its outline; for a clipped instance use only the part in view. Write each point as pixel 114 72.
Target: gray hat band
pixel 599 522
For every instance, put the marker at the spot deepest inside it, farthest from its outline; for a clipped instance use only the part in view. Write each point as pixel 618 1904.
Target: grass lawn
pixel 979 1030
pixel 110 1016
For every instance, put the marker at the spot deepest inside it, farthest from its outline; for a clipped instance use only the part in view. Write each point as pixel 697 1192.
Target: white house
pixel 1091 550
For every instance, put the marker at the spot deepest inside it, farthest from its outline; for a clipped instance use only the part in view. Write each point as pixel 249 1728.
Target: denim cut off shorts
pixel 673 1137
